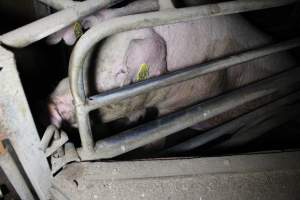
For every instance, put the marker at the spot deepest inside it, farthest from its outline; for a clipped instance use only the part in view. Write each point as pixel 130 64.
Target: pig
pixel 165 49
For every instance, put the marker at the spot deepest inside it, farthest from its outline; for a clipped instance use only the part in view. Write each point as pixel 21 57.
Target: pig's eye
pixel 121 72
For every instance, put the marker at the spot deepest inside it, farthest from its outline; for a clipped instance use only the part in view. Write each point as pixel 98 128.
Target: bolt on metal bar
pixel 167 125
pixel 59 4
pixel 117 25
pixel 234 126
pixel 117 95
pixel 35 31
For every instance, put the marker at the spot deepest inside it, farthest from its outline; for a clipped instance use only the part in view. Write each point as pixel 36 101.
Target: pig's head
pixel 71 33
pixel 61 107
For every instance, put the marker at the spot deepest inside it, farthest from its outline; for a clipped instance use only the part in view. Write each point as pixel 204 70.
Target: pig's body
pixel 168 48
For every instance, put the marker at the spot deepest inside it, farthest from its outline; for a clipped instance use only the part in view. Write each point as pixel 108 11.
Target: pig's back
pixel 198 41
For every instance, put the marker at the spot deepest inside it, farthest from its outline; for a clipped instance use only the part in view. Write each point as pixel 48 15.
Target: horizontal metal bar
pixel 234 126
pixel 186 74
pixel 59 4
pixel 109 27
pixel 35 31
pixel 160 128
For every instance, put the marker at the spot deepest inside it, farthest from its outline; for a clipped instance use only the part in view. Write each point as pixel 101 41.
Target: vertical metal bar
pixel 17 124
pixel 87 143
pixel 11 170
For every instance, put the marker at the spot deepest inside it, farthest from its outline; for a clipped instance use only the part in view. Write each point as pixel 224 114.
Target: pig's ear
pixel 67 34
pixel 56 37
pixel 147 56
pixel 89 21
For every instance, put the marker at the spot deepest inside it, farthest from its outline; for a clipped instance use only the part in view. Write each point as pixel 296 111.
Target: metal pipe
pixel 248 135
pixel 59 4
pixel 109 27
pixel 186 74
pixel 35 31
pixel 48 135
pixel 235 126
pixel 160 128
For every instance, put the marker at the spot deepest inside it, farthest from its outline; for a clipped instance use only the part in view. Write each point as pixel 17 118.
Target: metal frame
pixel 271 115
pixel 86 43
pixel 260 176
pixel 17 123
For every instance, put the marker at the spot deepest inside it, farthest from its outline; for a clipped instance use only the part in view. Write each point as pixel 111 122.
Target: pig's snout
pixel 55 117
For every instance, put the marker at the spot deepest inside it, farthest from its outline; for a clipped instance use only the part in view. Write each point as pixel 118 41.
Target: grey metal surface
pixel 12 172
pixel 251 125
pixel 260 176
pixel 16 124
pixel 109 27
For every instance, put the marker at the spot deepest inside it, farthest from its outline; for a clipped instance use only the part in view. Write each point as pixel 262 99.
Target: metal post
pixel 11 170
pixel 17 124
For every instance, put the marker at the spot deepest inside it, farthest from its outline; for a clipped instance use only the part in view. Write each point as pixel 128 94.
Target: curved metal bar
pixel 117 25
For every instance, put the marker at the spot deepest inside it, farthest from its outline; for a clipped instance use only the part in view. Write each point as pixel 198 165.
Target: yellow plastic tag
pixel 143 73
pixel 78 30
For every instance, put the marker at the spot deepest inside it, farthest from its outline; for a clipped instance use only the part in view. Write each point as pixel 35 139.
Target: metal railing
pixel 134 138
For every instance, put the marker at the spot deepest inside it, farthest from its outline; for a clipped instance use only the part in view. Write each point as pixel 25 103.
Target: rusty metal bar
pixel 109 27
pixel 167 125
pixel 243 124
pixel 117 95
pixel 35 31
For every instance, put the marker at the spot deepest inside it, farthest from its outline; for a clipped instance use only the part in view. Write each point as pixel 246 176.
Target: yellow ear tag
pixel 78 30
pixel 143 73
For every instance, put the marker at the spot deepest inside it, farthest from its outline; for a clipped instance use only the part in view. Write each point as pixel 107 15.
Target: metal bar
pixel 109 27
pixel 47 137
pixel 17 124
pixel 186 74
pixel 12 172
pixel 160 128
pixel 235 125
pixel 44 27
pixel 265 176
pixel 59 4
